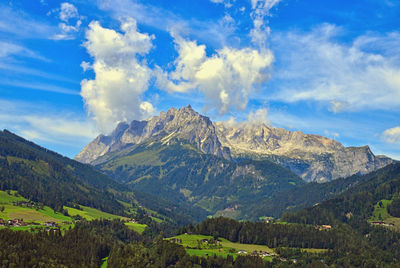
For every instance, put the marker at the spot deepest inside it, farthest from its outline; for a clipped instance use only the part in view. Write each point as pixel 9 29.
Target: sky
pixel 70 70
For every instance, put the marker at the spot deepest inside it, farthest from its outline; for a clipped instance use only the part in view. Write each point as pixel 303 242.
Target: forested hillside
pixel 355 205
pixel 346 246
pixel 47 177
pixel 305 196
pixel 182 174
pixel 43 176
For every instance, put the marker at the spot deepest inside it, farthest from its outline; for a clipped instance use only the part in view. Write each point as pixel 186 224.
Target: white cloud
pixel 226 78
pixel 392 135
pixel 121 76
pixel 260 31
pixel 227 3
pixel 8 49
pixel 68 11
pixel 258 117
pixel 331 135
pixel 265 5
pixel 254 118
pixel 363 74
pixel 210 31
pixel 70 23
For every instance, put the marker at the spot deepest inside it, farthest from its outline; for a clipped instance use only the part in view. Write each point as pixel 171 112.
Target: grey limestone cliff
pixel 312 157
pixel 182 123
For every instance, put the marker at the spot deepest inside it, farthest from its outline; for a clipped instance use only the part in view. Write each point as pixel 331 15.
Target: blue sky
pixel 70 70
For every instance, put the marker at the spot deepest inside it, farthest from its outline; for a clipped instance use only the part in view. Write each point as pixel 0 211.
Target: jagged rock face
pixel 312 157
pixel 261 139
pixel 182 123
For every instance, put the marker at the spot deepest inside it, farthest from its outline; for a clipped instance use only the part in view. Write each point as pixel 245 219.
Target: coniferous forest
pixel 338 232
pixel 199 134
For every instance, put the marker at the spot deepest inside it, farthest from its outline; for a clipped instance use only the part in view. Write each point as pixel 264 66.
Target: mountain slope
pixel 44 176
pixel 355 205
pixel 183 174
pixel 305 196
pixel 41 175
pixel 184 123
pixel 312 157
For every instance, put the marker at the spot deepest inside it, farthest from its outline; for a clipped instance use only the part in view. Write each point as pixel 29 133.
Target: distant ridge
pixel 312 157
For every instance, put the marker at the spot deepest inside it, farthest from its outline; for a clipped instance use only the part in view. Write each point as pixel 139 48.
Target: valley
pixel 199 134
pixel 163 198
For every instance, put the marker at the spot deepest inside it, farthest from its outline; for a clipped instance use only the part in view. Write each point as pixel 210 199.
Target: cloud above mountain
pixel 392 135
pixel 226 78
pixel 121 74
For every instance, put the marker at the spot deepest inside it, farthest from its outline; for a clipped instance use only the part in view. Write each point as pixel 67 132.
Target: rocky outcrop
pixel 182 123
pixel 312 157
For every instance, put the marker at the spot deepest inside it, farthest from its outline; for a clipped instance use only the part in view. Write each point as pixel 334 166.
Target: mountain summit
pixel 312 157
pixel 183 123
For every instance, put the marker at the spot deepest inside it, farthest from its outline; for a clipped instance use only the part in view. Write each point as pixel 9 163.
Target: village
pixel 323 227
pixel 50 225
pixel 382 223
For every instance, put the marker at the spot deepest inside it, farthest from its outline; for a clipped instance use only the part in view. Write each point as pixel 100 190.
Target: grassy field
pixel 32 215
pixel 380 214
pixel 246 247
pixel 91 213
pixel 314 250
pixel 192 244
pixel 28 214
pixel 137 227
pixel 47 214
pixel 105 262
pixel 6 198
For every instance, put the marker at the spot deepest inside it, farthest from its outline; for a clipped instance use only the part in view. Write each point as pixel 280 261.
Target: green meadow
pixel 91 213
pixel 46 214
pixel 193 246
pixel 380 214
pixel 137 227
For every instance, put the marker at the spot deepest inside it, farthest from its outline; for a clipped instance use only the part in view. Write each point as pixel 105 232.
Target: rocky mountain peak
pixel 312 157
pixel 262 139
pixel 183 123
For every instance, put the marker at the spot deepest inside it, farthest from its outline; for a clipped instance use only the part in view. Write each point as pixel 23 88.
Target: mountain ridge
pixel 179 123
pixel 312 157
pixel 181 173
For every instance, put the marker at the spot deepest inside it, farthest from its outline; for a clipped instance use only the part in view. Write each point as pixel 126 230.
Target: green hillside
pixel 180 173
pixel 356 205
pixel 301 197
pixel 44 176
pixel 13 206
